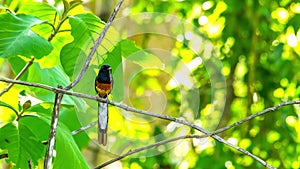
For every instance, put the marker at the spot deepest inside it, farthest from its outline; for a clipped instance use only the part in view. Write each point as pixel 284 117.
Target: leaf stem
pixel 56 29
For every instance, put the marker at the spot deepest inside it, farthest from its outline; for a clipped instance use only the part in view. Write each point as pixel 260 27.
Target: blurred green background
pixel 258 44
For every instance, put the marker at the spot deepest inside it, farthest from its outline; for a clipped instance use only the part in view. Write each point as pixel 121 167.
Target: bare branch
pixel 53 127
pixel 84 128
pixel 270 109
pixel 96 45
pixel 130 152
pixel 221 140
pixel 50 88
pixel 18 76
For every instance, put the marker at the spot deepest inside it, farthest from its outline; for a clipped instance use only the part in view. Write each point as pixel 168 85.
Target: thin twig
pixel 270 109
pixel 18 76
pixel 221 140
pixel 50 88
pixel 84 128
pixel 130 152
pixel 53 127
pixel 96 45
pixel 56 30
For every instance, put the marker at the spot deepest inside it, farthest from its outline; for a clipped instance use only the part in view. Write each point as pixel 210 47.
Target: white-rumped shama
pixel 103 87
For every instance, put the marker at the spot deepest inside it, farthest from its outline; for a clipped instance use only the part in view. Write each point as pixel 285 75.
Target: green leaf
pixel 65 147
pixel 8 106
pixel 69 117
pixel 9 140
pixel 21 144
pixel 139 56
pixel 67 150
pixel 69 6
pixel 114 59
pixel 69 56
pixel 43 11
pixel 66 6
pixel 31 146
pixel 17 38
pixel 75 3
pixel 49 76
pixel 58 42
pixel 84 28
pixel 11 4
pixel 295 22
pixel 26 105
pixel 128 47
pixel 47 13
pixel 39 127
pixel 17 65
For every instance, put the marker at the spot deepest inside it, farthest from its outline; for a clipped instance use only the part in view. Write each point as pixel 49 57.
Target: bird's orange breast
pixel 103 89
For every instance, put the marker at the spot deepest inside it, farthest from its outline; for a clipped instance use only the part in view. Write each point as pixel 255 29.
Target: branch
pixel 18 76
pixel 130 152
pixel 182 121
pixel 56 30
pixel 178 120
pixel 125 107
pixel 221 140
pixel 54 123
pixel 53 89
pixel 84 128
pixel 96 45
pixel 270 109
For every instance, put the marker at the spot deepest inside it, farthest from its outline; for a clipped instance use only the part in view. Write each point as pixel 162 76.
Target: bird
pixel 103 87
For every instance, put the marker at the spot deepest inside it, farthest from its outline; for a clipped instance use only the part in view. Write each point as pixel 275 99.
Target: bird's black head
pixel 104 74
pixel 105 68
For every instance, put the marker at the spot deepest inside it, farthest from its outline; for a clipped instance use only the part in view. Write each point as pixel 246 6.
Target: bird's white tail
pixel 102 122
